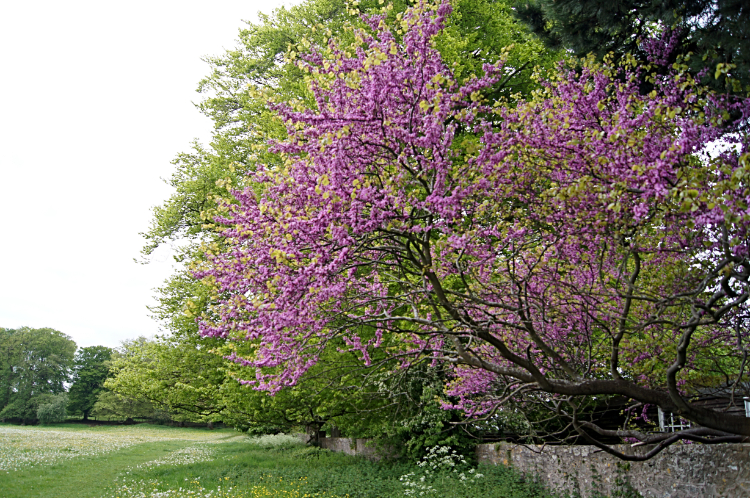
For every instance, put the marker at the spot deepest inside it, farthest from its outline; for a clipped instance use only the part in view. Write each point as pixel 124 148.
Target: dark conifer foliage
pixel 715 32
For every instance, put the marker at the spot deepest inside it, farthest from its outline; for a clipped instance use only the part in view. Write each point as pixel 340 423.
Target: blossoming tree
pixel 591 241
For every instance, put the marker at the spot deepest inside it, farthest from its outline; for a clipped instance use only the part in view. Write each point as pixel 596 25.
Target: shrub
pixel 54 411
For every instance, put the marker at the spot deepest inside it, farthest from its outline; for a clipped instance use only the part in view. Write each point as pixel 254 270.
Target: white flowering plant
pixel 441 464
pixel 276 441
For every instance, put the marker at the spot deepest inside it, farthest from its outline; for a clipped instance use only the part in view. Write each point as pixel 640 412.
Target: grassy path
pixel 159 462
pixel 84 477
pixel 80 462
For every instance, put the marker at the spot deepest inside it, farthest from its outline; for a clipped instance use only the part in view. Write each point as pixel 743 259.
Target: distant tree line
pixel 35 365
pixel 45 378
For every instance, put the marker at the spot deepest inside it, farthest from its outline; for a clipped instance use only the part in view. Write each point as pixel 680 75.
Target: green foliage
pixel 54 410
pixel 713 34
pixel 33 363
pixel 281 472
pixel 114 406
pixel 417 421
pixel 186 374
pixel 623 487
pixel 243 80
pixel 89 373
pixel 484 31
pixel 189 378
pixel 175 377
pixel 339 392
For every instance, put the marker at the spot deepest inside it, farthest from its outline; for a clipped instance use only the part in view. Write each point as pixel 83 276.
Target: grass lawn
pixel 151 461
pixel 79 461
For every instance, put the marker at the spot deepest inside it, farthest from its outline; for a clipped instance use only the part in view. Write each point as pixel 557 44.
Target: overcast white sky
pixel 96 100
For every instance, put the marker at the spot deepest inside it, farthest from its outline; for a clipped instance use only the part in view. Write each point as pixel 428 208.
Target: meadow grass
pixel 160 462
pixel 72 461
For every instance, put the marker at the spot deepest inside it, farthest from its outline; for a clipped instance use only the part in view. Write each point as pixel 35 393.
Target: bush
pixel 53 412
pixel 264 430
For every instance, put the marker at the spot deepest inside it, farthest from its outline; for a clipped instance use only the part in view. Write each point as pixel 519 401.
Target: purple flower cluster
pixel 589 234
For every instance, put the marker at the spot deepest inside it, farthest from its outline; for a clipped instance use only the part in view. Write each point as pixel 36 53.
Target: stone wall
pixel 362 447
pixel 680 471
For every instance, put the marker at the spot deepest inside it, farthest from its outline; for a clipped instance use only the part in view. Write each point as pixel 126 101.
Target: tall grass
pixel 162 462
pixel 274 466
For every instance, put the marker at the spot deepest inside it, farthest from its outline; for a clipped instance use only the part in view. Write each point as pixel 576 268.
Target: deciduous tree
pixel 35 363
pixel 552 250
pixel 237 90
pixel 91 367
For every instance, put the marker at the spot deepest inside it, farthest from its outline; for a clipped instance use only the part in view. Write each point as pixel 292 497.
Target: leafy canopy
pixel 91 368
pixel 34 364
pixel 712 35
pixel 550 249
pixel 185 372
